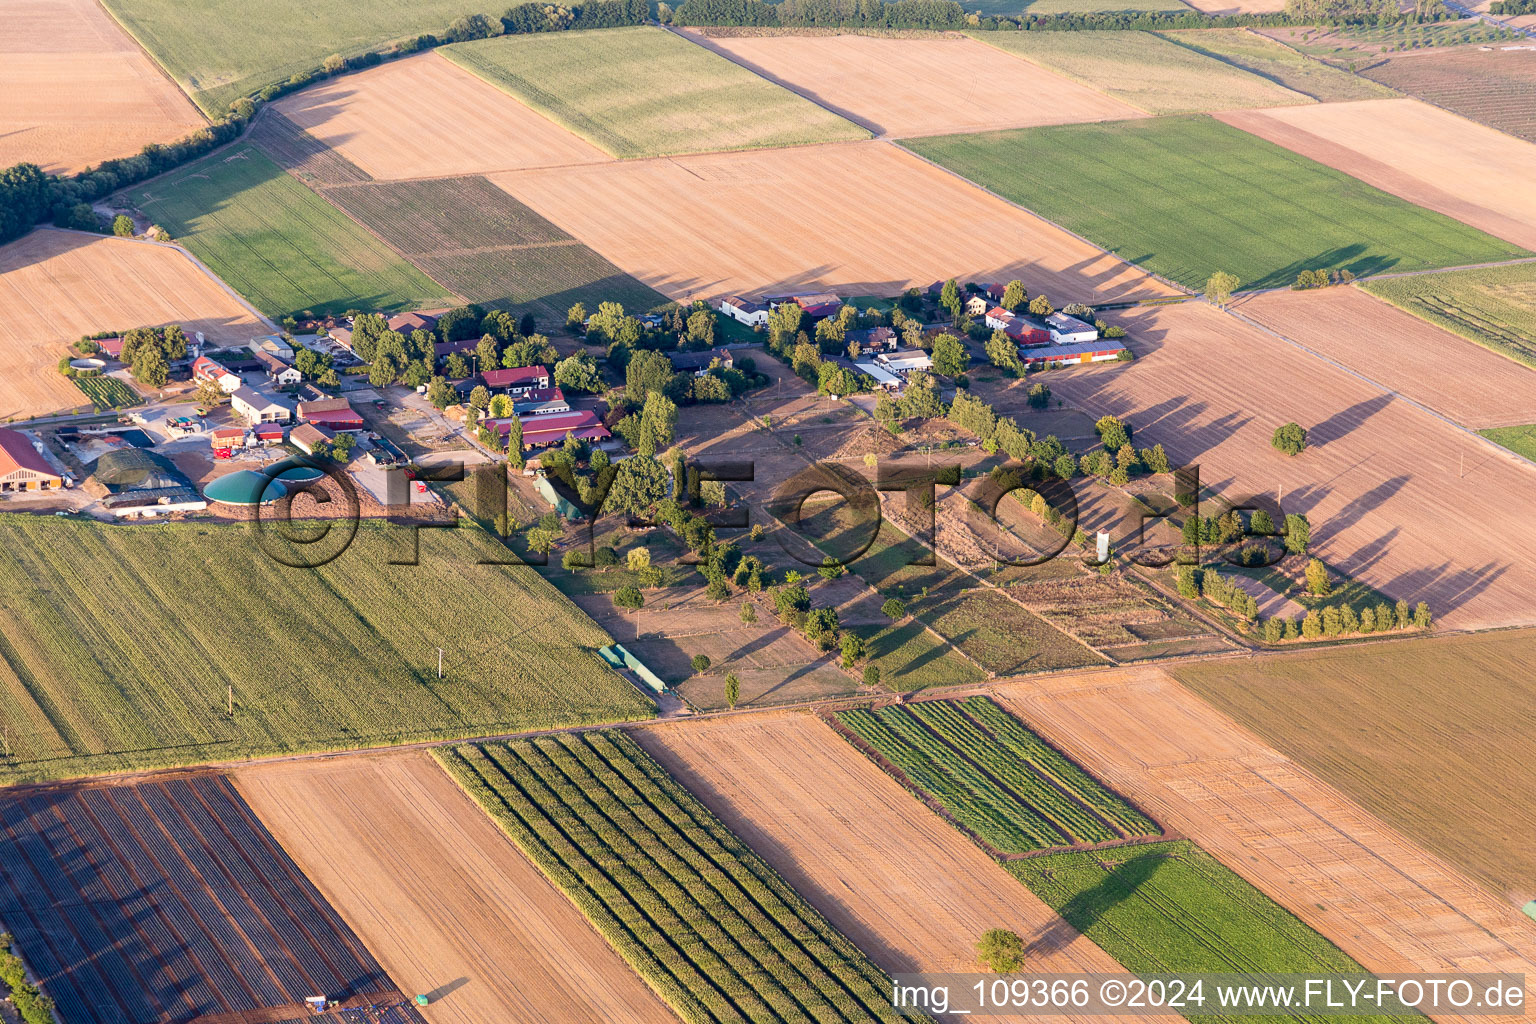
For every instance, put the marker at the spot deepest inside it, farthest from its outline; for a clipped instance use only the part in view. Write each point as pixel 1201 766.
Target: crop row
pixel 107 392
pixel 1001 822
pixel 698 915
pixel 1013 735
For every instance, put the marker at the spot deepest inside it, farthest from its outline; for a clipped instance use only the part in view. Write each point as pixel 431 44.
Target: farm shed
pixel 620 658
pixel 273 345
pixel 255 407
pixel 753 314
pixel 873 339
pixel 516 380
pixel 204 368
pixel 560 504
pixel 278 371
pixel 905 362
pixel 883 379
pixel 331 413
pixel 540 402
pixel 306 437
pixel 543 431
pixel 23 467
pixel 1062 355
pixel 136 481
pixel 405 323
pixel 698 362
pixel 1069 330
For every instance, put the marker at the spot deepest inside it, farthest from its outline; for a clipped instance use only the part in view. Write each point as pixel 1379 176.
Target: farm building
pixel 976 305
pixel 905 362
pixel 884 379
pixel 307 437
pixel 204 368
pixel 278 372
pixel 332 413
pixel 138 482
pixel 227 437
pixel 998 319
pixel 405 323
pixel 1069 330
pixel 873 339
pixel 819 305
pixel 443 349
pixel 272 345
pixel 384 452
pixel 1064 355
pixel 1028 332
pixel 540 402
pixel 112 348
pixel 244 487
pixel 543 431
pixel 753 314
pixel 23 467
pixel 255 407
pixel 558 501
pixel 516 381
pixel 268 433
pixel 341 336
pixel 698 363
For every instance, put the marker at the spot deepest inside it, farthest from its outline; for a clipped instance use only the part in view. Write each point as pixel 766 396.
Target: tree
pixel 1318 583
pixel 1290 438
pixel 333 64
pixel 1219 288
pixel 831 568
pixel 648 372
pixel 1113 432
pixel 209 394
pixel 1014 296
pixel 1039 395
pixel 1367 620
pixel 853 649
pixel 658 421
pixel 1260 523
pixel 637 559
pixel 748 613
pixel 515 440
pixel 1004 354
pixel 1421 617
pixel 1000 951
pixel 949 355
pixel 579 373
pixel 871 675
pixel 1274 630
pixel 150 367
pixel 455 367
pixel 732 690
pixel 893 608
pixel 440 393
pixel 1041 306
pixel 1298 533
pixel 1155 459
pixel 638 484
pixel 573 560
pixel 575 317
pixel 628 596
pixel 501 407
pixel 122 226
pixel 821 627
pixel 700 663
pixel 949 297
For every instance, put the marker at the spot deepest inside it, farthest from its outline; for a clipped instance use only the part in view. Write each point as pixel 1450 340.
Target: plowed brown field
pixel 425 117
pixel 76 90
pixel 1470 384
pixel 441 896
pixel 907 87
pixel 1426 155
pixel 859 218
pixel 1398 498
pixel 1378 897
pixel 57 285
pixel 897 879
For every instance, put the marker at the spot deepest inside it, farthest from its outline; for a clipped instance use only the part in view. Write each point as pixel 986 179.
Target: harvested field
pixel 994 778
pixel 1474 386
pixel 1380 513
pixel 889 873
pixel 1423 154
pixel 1375 723
pixel 1383 901
pixel 1187 196
pixel 424 116
pixel 1279 63
pixel 902 87
pixel 340 656
pixel 691 227
pixel 1146 70
pixel 485 245
pixel 300 153
pixel 169 901
pixel 693 909
pixel 643 91
pixel 1013 8
pixel 1494 307
pixel 438 893
pixel 1496 87
pixel 75 90
pixel 59 285
pixel 276 242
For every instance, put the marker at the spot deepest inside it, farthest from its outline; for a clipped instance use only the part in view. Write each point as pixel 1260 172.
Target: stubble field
pixel 75 90
pixel 58 285
pixel 1381 899
pixel 441 896
pixel 1423 154
pixel 1146 70
pixel 1415 522
pixel 811 218
pixel 903 87
pixel 1279 63
pixel 1187 196
pixel 1497 87
pixel 1475 387
pixel 425 117
pixel 642 91
pixel 1494 306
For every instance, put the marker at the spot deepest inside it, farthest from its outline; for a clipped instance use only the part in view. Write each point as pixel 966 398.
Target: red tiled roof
pixel 16 452
pixel 516 375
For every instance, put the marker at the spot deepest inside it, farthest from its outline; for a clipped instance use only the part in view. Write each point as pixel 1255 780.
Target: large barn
pixel 22 467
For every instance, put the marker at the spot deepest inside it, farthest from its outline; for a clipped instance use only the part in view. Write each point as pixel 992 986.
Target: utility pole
pixel 229 697
pixel 439 663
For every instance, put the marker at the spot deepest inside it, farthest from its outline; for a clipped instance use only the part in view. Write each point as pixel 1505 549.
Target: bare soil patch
pixel 1421 153
pixel 819 217
pixel 1447 373
pixel 58 285
pixel 1382 900
pixel 425 116
pixel 897 879
pixel 76 90
pixel 1496 87
pixel 906 87
pixel 441 896
pixel 1416 521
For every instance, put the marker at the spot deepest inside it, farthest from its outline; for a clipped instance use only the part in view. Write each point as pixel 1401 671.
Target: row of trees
pixel 1333 620
pixel 31 1005
pixel 908 14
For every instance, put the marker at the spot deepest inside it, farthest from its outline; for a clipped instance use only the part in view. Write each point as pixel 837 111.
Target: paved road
pixel 1466 11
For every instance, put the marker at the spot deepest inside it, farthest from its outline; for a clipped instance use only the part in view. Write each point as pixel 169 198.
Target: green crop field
pixel 700 917
pixel 218 50
pixel 909 658
pixel 995 778
pixel 1520 440
pixel 999 634
pixel 277 243
pixel 485 245
pixel 107 392
pixel 1495 306
pixel 1187 196
pixel 1146 70
pixel 1280 64
pixel 642 91
pixel 118 643
pixel 1421 732
pixel 1172 908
